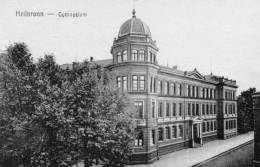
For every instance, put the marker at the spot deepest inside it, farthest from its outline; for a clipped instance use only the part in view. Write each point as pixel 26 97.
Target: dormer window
pixel 119 57
pixel 134 55
pixel 124 56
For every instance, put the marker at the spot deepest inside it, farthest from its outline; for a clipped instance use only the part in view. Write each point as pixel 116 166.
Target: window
pixel 203 127
pixel 197 91
pixel 159 86
pixel 208 127
pixel 167 132
pixel 211 109
pixel 197 109
pixel 119 57
pixel 189 109
pixel 167 109
pixel 151 84
pixel 166 88
pixel 124 83
pixel 193 109
pixel 207 109
pixel 139 139
pixel 189 91
pixel 214 109
pixel 160 109
pixel 142 85
pixel 174 132
pixel 174 89
pixel 211 127
pixel 139 107
pixel 134 55
pixel 215 125
pixel 118 82
pixel 153 136
pixel 180 90
pixel 227 125
pixel 226 109
pixel 151 57
pixel 160 134
pixel 141 55
pixel 180 131
pixel 124 55
pixel 153 109
pixel 180 109
pixel 203 109
pixel 174 109
pixel 134 82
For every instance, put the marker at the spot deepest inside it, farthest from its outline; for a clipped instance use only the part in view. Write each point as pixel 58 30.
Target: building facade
pixel 175 109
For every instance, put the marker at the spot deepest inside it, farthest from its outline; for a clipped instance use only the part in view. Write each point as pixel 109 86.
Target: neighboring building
pixel 176 109
pixel 256 107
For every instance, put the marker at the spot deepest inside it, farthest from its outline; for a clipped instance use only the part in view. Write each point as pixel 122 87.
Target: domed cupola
pixel 134 43
pixel 134 26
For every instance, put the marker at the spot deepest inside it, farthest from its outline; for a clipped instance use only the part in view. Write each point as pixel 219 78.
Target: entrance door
pixel 196 134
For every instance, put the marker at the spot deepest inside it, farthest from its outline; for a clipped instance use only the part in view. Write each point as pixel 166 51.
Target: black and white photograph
pixel 129 83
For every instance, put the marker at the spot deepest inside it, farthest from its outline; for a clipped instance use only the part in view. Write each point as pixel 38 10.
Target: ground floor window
pixel 174 132
pixel 167 132
pixel 139 138
pixel 180 130
pixel 153 137
pixel 160 134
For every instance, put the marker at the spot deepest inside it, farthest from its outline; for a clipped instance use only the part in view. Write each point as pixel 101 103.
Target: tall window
pixel 160 109
pixel 134 82
pixel 207 109
pixel 189 108
pixel 174 109
pixel 141 55
pixel 203 109
pixel 134 55
pixel 124 78
pixel 142 85
pixel 214 109
pixel 180 93
pixel 215 125
pixel 159 86
pixel 139 107
pixel 193 109
pixel 160 134
pixel 153 137
pixel 197 109
pixel 153 109
pixel 168 132
pixel 180 130
pixel 167 109
pixel 139 139
pixel 151 57
pixel 124 55
pixel 119 57
pixel 151 84
pixel 203 127
pixel 118 82
pixel 208 126
pixel 180 109
pixel 174 132
pixel 211 109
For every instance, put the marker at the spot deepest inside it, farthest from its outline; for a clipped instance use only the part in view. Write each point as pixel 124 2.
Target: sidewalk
pixel 192 156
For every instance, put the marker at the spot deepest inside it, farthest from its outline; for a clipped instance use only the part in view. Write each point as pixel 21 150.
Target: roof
pixel 134 26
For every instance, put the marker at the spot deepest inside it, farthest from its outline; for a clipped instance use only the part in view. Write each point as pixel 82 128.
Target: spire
pixel 133 12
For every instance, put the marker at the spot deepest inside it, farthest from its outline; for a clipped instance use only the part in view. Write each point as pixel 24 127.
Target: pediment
pixel 195 74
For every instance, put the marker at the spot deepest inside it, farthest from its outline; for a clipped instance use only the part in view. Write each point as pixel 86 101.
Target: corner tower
pixel 134 43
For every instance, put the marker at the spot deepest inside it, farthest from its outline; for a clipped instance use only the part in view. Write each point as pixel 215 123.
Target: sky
pixel 218 36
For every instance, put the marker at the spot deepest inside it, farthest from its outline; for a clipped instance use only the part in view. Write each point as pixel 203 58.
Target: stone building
pixel 176 109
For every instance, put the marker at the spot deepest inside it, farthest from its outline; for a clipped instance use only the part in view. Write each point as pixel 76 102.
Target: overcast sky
pixel 219 36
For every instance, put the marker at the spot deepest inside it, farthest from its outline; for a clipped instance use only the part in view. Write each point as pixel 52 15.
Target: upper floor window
pixel 140 108
pixel 124 56
pixel 153 109
pixel 189 109
pixel 141 55
pixel 160 109
pixel 174 109
pixel 119 57
pixel 180 109
pixel 142 85
pixel 166 88
pixel 167 109
pixel 134 82
pixel 134 55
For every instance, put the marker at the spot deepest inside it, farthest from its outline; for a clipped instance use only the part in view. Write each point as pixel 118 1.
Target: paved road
pixel 192 156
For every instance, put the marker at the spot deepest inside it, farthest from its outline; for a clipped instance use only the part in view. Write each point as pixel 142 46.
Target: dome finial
pixel 133 12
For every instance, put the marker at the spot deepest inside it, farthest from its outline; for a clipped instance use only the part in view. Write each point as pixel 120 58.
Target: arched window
pixel 124 55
